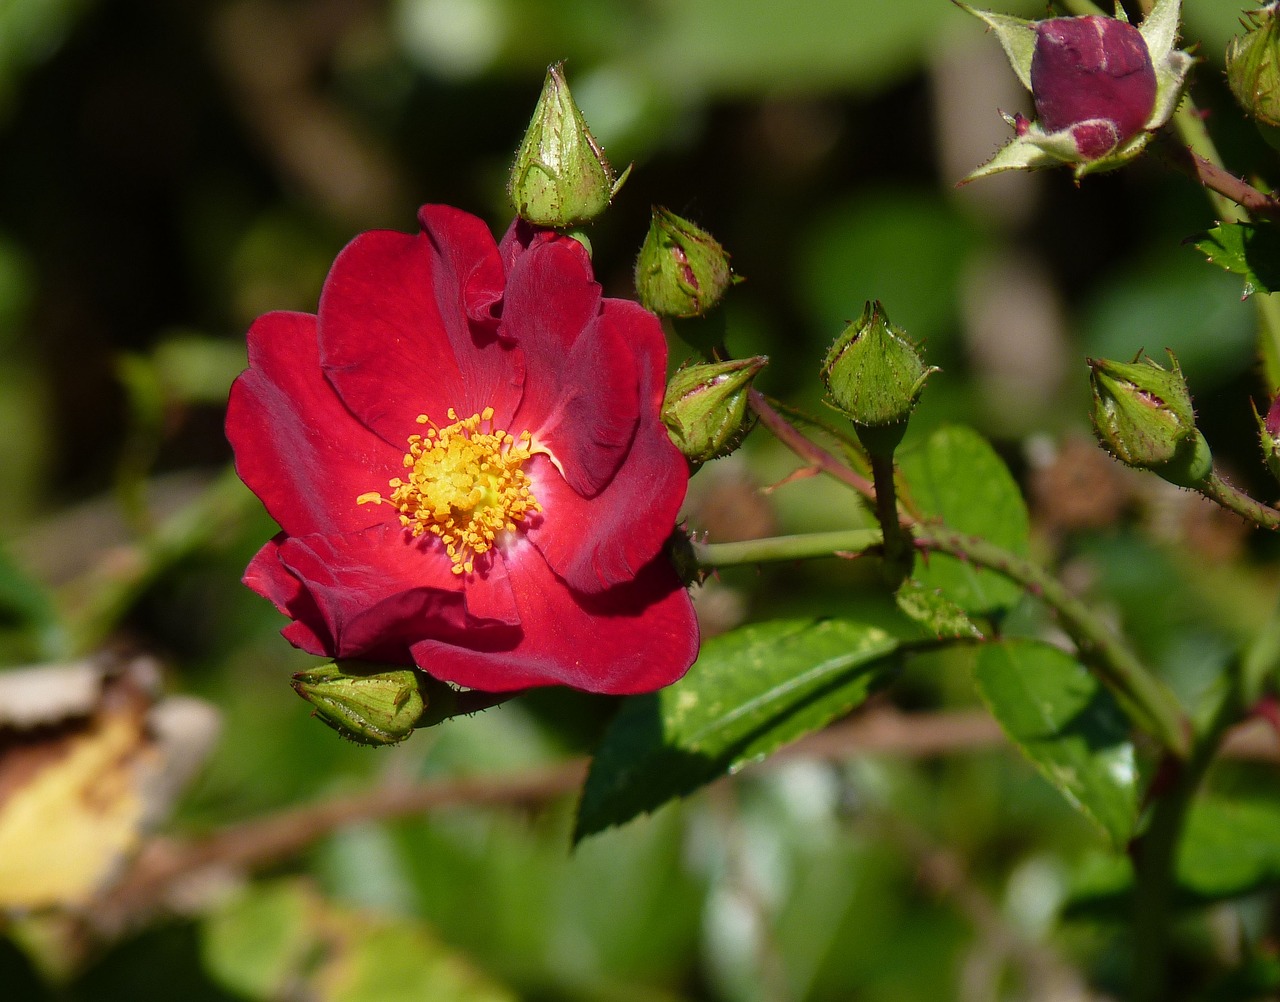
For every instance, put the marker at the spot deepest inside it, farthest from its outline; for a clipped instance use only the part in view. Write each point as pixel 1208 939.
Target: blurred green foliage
pixel 170 171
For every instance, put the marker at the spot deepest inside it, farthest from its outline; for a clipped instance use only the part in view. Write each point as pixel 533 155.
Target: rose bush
pixel 464 451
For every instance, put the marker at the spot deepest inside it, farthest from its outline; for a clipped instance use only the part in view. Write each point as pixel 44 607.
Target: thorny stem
pixel 1234 499
pixel 1233 191
pixel 1147 699
pixel 809 451
pixel 1155 855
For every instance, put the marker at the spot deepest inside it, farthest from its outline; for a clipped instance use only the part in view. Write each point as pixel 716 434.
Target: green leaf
pixel 934 611
pixel 1229 846
pixel 750 692
pixel 1068 725
pixel 258 942
pixel 1228 849
pixel 955 476
pixel 283 940
pixel 1248 249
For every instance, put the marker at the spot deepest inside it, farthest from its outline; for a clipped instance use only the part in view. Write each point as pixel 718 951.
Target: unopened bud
pixel 875 374
pixel 561 177
pixel 1143 416
pixel 1101 87
pixel 1092 76
pixel 379 708
pixel 1253 68
pixel 682 270
pixel 705 409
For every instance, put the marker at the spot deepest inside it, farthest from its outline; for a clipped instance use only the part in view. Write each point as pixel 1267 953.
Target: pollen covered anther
pixel 466 484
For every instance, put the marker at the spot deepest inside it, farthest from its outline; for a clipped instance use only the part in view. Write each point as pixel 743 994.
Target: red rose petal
pixel 595 543
pixel 380 590
pixel 395 337
pixel 634 638
pixel 269 578
pixel 296 446
pixel 581 387
pixel 579 594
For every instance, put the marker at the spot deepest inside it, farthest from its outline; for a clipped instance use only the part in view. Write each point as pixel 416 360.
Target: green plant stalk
pixel 775 548
pixel 855 454
pixel 1235 500
pixel 1148 701
pixel 1191 129
pixel 1083 8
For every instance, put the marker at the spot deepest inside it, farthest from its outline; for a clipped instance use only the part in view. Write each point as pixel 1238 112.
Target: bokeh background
pixel 168 171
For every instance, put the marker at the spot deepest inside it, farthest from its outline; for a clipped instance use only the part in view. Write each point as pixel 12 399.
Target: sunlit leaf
pixel 956 476
pixel 750 692
pixel 1251 250
pixel 938 614
pixel 1064 720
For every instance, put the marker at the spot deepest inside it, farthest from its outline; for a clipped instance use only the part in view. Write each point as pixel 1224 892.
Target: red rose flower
pixel 464 452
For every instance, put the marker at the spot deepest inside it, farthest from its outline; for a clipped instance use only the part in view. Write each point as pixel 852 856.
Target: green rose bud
pixel 1253 69
pixel 705 409
pixel 379 708
pixel 875 375
pixel 561 177
pixel 1143 416
pixel 682 271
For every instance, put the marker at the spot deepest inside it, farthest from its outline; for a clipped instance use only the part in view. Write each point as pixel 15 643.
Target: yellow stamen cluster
pixel 465 485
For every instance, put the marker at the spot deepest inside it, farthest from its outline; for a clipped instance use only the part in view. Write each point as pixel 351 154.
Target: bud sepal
pixel 1269 436
pixel 1253 69
pixel 1101 87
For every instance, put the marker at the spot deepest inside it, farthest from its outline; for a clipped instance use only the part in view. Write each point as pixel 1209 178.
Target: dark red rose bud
pixel 1094 70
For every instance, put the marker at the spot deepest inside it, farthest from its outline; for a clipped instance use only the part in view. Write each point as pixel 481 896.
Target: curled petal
pixel 597 542
pixel 395 336
pixel 636 637
pixel 581 395
pixel 376 592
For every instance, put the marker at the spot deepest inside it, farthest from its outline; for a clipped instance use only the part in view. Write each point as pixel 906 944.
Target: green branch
pixel 1145 697
pixel 1235 500
pixel 760 551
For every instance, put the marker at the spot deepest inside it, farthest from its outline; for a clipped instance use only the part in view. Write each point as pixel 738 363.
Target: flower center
pixel 465 485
